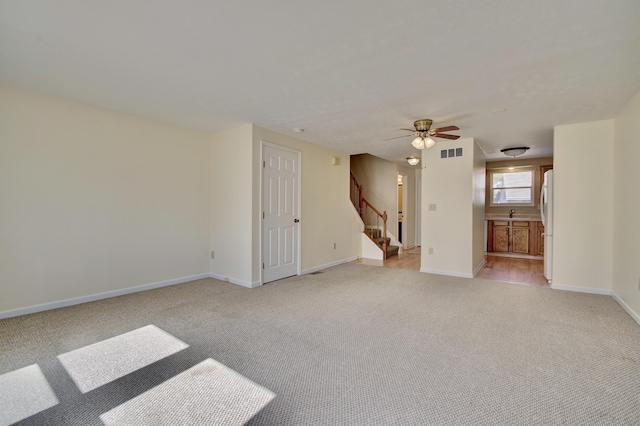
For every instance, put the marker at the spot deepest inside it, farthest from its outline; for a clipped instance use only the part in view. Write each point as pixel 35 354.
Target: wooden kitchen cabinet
pixel 515 237
pixel 540 239
pixel 500 234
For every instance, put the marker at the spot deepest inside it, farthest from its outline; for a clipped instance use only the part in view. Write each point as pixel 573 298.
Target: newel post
pixel 384 234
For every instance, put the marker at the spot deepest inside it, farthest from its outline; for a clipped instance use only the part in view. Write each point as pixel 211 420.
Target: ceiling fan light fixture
pixel 515 151
pixel 413 160
pixel 418 143
pixel 429 142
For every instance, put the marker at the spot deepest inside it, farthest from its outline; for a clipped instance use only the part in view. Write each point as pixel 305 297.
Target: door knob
pixel 296 220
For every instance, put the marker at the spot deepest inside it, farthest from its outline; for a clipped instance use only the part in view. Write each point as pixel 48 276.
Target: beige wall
pixel 583 207
pixel 626 199
pixel 231 203
pixel 95 201
pixel 452 230
pixel 479 185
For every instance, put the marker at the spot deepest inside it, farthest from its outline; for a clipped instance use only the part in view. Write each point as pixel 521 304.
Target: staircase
pixel 375 223
pixel 376 236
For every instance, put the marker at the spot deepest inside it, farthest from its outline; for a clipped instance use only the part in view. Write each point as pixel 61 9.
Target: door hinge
pixel 263 215
pixel 264 164
pixel 263 266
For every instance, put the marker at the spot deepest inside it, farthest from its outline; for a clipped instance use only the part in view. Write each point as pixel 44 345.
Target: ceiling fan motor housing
pixel 422 125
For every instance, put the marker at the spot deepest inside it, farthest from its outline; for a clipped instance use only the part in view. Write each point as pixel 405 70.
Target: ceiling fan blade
pixel 442 135
pixel 446 129
pixel 397 137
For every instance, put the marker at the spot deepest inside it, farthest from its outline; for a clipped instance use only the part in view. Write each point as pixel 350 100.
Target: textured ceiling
pixel 351 73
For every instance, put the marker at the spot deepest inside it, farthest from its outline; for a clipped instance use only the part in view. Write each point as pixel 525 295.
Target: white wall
pixel 449 230
pixel 583 207
pixel 327 215
pixel 231 205
pixel 95 201
pixel 626 199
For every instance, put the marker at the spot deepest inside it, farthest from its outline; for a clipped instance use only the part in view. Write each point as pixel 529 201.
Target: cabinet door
pixel 520 239
pixel 500 236
pixel 540 240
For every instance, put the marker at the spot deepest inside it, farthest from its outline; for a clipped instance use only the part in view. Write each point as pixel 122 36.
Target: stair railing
pixel 375 223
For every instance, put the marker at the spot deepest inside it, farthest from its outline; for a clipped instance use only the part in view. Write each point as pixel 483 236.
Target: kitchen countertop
pixel 515 217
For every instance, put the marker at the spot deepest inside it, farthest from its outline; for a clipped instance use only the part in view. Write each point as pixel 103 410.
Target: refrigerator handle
pixel 542 205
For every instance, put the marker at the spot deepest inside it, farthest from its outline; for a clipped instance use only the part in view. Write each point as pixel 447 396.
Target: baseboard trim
pixel 329 265
pixel 447 273
pixel 626 307
pixel 99 296
pixel 513 255
pixel 480 266
pixel 254 284
pixel 247 284
pixel 588 290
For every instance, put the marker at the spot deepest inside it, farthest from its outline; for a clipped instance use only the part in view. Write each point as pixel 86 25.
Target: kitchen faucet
pixel 511 213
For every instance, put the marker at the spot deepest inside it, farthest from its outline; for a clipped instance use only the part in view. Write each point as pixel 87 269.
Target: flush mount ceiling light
pixel 413 160
pixel 514 152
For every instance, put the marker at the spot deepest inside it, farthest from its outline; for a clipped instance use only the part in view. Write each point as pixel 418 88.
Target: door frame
pixel 418 239
pixel 402 236
pixel 264 143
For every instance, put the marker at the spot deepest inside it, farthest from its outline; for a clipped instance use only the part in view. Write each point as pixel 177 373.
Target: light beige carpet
pixel 23 393
pixel 102 362
pixel 362 345
pixel 206 394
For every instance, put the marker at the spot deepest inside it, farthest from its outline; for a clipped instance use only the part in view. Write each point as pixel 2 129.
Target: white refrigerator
pixel 546 213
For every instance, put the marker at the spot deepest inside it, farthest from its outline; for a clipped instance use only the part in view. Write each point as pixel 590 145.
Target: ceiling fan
pixel 424 134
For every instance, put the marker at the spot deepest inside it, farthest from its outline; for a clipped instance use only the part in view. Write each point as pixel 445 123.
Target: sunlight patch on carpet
pixel 208 393
pixel 100 363
pixel 23 393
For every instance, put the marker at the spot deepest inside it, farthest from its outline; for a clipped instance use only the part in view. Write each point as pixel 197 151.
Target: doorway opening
pixel 402 209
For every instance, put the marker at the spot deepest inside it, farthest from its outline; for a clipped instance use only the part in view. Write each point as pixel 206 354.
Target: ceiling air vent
pixel 451 152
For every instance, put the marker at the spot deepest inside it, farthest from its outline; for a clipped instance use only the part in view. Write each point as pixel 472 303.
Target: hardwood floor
pixel 507 269
pixel 514 270
pixel 400 261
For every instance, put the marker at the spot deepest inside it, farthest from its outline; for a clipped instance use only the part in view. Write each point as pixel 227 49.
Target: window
pixel 512 187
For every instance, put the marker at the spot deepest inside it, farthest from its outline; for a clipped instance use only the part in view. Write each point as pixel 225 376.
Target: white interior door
pixel 280 207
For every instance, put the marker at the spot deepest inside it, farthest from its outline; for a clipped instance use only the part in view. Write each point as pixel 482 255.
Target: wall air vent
pixel 451 152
